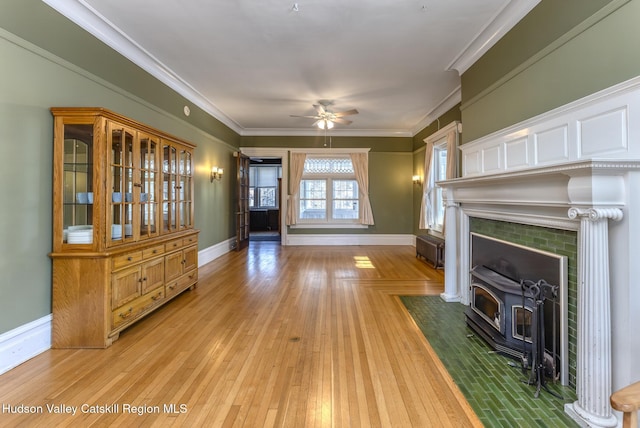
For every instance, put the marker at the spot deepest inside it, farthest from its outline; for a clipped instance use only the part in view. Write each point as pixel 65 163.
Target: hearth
pixel 506 302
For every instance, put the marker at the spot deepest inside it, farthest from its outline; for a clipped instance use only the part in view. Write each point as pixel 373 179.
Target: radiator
pixel 431 248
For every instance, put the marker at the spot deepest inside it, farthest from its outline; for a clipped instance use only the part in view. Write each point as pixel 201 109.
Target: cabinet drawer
pixel 185 281
pixel 137 307
pixel 173 245
pixel 127 259
pixel 152 251
pixel 189 241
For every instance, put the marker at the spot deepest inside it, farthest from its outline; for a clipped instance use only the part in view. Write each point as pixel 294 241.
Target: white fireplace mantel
pixel 574 168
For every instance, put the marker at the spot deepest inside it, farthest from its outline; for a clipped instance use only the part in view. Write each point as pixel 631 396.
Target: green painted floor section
pixel 496 390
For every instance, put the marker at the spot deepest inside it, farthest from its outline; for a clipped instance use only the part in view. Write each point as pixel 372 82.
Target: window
pixel 439 165
pixel 328 191
pixel 263 182
pixel 438 173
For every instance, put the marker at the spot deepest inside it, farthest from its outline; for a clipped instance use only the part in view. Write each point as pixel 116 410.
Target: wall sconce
pixel 416 179
pixel 216 173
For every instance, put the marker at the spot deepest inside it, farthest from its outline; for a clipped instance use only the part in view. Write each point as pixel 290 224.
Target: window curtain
pixel 426 210
pixel 360 163
pixel 296 168
pixel 452 146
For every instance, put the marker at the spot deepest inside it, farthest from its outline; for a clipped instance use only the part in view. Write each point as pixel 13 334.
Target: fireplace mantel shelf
pixel 569 169
pixel 587 183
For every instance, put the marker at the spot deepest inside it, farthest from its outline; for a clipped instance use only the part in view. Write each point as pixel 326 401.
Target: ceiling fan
pixel 326 118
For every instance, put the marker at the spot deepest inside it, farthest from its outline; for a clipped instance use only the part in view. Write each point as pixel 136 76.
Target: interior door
pixel 242 215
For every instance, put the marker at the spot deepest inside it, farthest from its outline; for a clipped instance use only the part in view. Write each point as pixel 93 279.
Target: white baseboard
pixel 31 339
pixel 213 252
pixel 25 342
pixel 354 239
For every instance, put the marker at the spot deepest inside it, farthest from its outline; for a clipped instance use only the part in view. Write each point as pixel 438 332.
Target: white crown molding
pixel 81 13
pixel 505 20
pixel 89 19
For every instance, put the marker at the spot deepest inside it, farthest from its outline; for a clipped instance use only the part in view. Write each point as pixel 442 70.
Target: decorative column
pixel 451 288
pixel 593 375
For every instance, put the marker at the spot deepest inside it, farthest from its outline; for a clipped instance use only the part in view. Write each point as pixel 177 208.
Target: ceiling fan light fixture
pixel 322 124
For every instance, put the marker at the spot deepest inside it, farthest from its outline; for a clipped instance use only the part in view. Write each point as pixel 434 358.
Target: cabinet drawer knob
pixel 129 258
pixel 126 314
pixel 156 297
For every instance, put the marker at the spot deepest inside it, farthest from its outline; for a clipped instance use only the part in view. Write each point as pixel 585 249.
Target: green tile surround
pixel 495 389
pixel 558 241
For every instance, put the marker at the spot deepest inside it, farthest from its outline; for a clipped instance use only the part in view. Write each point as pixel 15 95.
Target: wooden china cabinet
pixel 123 237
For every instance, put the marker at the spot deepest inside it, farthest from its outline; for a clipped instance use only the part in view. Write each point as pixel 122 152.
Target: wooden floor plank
pixel 272 336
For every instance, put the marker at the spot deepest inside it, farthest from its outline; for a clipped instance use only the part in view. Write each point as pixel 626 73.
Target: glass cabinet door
pixel 177 188
pixel 169 187
pixel 185 202
pixel 149 175
pixel 77 181
pixel 120 141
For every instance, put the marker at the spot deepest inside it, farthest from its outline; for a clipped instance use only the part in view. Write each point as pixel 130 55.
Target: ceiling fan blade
pixel 345 113
pixel 320 109
pixel 306 117
pixel 342 121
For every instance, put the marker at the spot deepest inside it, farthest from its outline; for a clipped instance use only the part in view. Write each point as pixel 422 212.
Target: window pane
pixel 267 176
pixel 313 199
pixel 345 199
pixel 328 166
pixel 252 201
pixel 439 174
pixel 267 196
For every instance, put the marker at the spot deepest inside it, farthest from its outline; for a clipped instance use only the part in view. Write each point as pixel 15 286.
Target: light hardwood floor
pixel 273 336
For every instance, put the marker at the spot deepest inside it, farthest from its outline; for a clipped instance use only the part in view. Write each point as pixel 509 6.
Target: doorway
pixel 265 198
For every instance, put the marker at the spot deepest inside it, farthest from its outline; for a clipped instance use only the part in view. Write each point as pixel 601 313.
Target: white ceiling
pixel 253 63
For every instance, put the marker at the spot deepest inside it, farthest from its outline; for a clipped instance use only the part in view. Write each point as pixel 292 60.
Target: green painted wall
pixel 591 47
pixel 376 144
pixel 31 81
